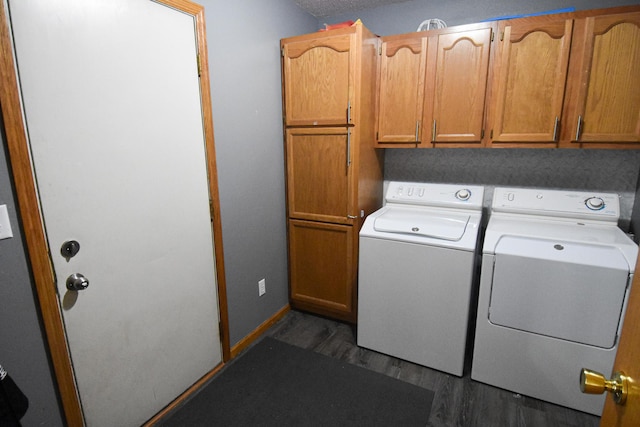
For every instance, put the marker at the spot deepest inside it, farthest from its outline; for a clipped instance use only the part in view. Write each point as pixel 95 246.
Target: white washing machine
pixel 556 271
pixel 416 273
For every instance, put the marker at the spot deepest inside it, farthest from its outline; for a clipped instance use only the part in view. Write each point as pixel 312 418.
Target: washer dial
pixel 594 203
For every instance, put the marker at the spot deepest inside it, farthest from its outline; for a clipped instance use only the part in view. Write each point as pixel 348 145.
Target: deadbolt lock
pixel 69 249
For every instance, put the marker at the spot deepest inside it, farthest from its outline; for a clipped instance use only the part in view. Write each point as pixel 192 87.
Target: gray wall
pixel 22 344
pixel 243 37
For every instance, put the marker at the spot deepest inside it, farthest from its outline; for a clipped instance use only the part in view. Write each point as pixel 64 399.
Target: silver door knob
pixel 77 282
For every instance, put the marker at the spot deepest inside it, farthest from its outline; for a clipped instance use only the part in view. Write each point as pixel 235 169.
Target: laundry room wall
pixel 23 350
pixel 599 170
pixel 243 38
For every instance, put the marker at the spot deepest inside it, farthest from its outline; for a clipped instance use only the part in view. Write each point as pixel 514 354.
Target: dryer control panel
pixel 558 203
pixel 437 195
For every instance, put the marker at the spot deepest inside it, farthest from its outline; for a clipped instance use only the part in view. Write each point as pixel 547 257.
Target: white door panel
pixel 112 104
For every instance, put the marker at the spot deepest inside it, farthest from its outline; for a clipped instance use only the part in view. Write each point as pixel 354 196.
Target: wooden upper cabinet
pixel 456 85
pixel 432 87
pixel 318 78
pixel 530 74
pixel 607 81
pixel 401 89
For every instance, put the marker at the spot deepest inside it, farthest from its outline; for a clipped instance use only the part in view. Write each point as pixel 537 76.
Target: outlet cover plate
pixel 5 225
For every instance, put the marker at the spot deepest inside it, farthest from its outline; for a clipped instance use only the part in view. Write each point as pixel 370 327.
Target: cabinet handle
pixel 433 131
pixel 579 128
pixel 417 129
pixel 352 216
pixel 348 147
pixel 555 129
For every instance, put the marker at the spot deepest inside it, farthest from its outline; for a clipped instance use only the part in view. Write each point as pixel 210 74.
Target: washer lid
pixel 423 223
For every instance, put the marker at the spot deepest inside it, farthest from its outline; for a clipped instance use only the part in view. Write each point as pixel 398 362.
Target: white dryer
pixel 416 273
pixel 556 271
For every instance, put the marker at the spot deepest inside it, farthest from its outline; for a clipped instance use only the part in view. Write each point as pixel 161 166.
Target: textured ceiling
pixel 324 8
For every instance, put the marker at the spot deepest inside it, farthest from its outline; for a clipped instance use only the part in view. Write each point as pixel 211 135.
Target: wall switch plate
pixel 5 225
pixel 262 287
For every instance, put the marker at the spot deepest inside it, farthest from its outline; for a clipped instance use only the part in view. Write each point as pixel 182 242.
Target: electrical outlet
pixel 5 225
pixel 262 287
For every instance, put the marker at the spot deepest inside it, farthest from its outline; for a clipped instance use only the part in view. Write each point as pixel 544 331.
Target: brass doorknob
pixel 592 382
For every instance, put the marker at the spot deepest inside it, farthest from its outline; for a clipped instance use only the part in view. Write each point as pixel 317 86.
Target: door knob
pixel 592 382
pixel 77 282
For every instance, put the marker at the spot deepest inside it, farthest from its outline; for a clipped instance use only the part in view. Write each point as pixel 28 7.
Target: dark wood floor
pixel 457 401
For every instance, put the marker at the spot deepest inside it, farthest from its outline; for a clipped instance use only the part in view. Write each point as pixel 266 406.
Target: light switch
pixel 5 225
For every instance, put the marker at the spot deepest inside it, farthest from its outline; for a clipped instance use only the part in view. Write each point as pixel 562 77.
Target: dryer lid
pixel 445 226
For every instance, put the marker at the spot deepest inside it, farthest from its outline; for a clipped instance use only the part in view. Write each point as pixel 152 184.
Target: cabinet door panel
pixel 401 90
pixel 317 78
pixel 460 86
pixel 319 174
pixel 531 78
pixel 321 263
pixel 609 102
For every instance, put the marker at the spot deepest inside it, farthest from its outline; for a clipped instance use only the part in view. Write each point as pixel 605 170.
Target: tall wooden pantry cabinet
pixel 333 170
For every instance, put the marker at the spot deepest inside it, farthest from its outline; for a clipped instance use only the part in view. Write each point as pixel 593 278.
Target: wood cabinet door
pixel 456 86
pixel 530 77
pixel 401 90
pixel 608 107
pixel 322 268
pixel 318 76
pixel 319 174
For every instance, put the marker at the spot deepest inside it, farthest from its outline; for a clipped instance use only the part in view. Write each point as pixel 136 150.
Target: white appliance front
pixel 416 274
pixel 413 302
pixel 552 295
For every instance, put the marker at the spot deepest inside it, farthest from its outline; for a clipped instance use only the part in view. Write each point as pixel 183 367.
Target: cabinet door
pixel 319 174
pixel 608 108
pixel 318 76
pixel 401 90
pixel 531 72
pixel 456 88
pixel 322 268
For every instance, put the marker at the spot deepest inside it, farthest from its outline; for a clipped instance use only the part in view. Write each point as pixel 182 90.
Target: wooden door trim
pixel 32 220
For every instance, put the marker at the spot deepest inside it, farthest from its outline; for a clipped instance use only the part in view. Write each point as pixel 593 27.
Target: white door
pixel 111 97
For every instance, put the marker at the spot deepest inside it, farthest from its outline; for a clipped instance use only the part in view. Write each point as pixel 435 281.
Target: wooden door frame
pixel 32 219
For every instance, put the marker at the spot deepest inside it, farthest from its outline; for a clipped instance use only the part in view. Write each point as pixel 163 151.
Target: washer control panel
pixel 571 204
pixel 441 195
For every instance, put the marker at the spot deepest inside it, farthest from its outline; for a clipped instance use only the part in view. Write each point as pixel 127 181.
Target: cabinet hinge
pixel 211 210
pixel 199 64
pixel 492 34
pixel 379 49
pixel 491 134
pixel 282 51
pixel 501 35
pixel 220 330
pixel 482 134
pixel 376 136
